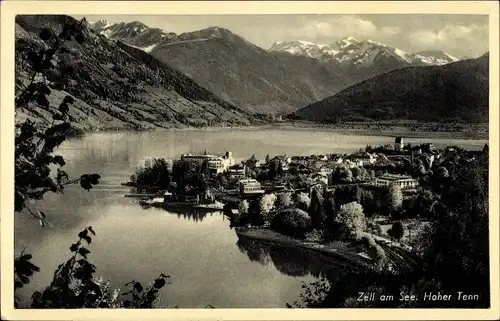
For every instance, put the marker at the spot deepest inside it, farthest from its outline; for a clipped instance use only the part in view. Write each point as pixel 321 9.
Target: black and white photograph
pixel 291 161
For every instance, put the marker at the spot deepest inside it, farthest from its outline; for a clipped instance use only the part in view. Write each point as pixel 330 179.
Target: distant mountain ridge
pixel 285 78
pixel 352 51
pixel 237 70
pixel 116 86
pixel 133 33
pixel 361 60
pixel 455 92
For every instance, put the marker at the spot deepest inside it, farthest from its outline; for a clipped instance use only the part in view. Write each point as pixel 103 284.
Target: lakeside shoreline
pixel 345 129
pixel 336 254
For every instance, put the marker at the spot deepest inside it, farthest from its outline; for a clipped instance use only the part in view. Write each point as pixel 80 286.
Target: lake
pixel 206 261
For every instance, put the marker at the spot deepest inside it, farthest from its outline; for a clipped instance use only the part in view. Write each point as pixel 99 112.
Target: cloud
pixel 339 27
pixel 449 34
pixel 390 31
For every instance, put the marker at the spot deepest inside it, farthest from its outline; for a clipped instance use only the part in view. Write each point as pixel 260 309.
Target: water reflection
pixel 291 261
pixel 194 215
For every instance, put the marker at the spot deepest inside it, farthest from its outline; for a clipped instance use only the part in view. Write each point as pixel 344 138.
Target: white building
pixel 218 164
pixel 403 181
pixel 250 186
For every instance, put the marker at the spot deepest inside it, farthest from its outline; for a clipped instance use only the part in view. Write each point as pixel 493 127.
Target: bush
pixel 396 231
pixel 267 208
pixel 375 251
pixel 292 222
pixel 352 217
pixel 285 200
pixel 303 201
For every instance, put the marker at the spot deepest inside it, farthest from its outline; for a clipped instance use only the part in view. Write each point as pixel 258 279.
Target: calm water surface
pixel 207 262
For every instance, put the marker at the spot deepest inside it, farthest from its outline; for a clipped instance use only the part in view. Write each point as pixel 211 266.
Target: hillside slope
pixel 117 87
pixel 247 75
pixel 456 92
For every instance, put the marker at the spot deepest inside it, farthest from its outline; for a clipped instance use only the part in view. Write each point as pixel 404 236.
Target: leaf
pixel 83 252
pixel 94 178
pixel 42 222
pixel 59 160
pixel 82 234
pixel 91 230
pixel 24 279
pixel 26 257
pixel 33 267
pixel 74 247
pixel 18 284
pixel 159 283
pixel 88 239
pixel 138 287
pixel 46 34
pixel 85 183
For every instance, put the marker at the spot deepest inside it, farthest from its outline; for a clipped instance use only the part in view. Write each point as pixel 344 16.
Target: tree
pixel 395 197
pixel 153 172
pixel 243 207
pixel 352 217
pixel 425 203
pixel 267 206
pixel 302 201
pixel 356 172
pixel 275 168
pixel 316 211
pixel 292 222
pixel 285 200
pixel 442 172
pixel 396 231
pixel 267 158
pixel 330 209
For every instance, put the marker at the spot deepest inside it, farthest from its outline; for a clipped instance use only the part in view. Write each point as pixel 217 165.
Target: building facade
pixel 250 186
pixel 217 164
pixel 403 181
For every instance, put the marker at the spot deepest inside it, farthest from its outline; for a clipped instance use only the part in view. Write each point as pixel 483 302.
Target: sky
pixel 459 35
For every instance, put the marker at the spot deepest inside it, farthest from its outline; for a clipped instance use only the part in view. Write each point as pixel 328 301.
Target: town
pixel 382 195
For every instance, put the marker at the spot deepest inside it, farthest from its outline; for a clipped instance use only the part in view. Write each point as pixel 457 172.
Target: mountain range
pixel 282 79
pixel 116 86
pixel 349 50
pixel 455 92
pixel 130 76
pixel 233 68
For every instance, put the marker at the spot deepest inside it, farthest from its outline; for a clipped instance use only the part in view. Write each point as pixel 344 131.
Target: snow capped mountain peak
pixel 298 47
pixel 99 24
pixel 133 33
pixel 350 39
pixel 349 50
